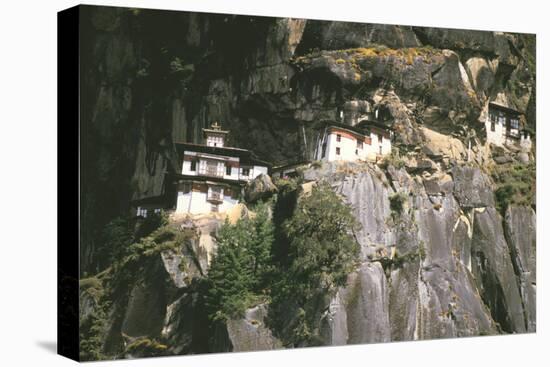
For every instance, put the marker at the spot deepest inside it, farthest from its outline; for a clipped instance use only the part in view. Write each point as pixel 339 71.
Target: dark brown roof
pixel 245 156
pixel 362 127
pixel 355 129
pixel 504 108
pixel 290 164
pixel 378 124
pixel 179 176
pixel 212 131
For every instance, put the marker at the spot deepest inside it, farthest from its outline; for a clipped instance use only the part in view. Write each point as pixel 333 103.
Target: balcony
pixel 214 196
pixel 211 171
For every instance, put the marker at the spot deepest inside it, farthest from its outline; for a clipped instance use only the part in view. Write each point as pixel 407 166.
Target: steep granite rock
pixel 328 35
pixel 246 334
pixel 472 188
pixel 520 231
pixel 494 272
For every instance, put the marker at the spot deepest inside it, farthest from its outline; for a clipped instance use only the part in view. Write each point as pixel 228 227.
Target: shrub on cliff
pixel 321 252
pixel 118 235
pixel 397 204
pixel 322 246
pixel 516 184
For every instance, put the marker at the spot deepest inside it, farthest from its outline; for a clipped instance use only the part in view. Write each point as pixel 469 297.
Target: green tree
pixel 323 248
pixel 150 224
pixel 240 270
pixel 230 279
pixel 322 251
pixel 260 245
pixel 116 237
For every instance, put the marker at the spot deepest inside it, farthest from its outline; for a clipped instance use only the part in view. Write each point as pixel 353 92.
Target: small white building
pixel 525 141
pixel 368 140
pixel 212 175
pixel 149 205
pixel 503 126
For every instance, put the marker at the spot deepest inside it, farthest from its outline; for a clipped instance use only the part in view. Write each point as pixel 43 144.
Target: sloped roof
pixel 245 156
pixel 179 176
pixel 504 108
pixel 362 128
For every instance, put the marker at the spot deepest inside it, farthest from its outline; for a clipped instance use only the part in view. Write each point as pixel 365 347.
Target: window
pixel 194 165
pixel 493 116
pixel 214 141
pixel 338 137
pixel 228 170
pixel 514 123
pixel 502 119
pixel 380 138
pixel 246 171
pixel 356 152
pixel 380 150
pixel 142 212
pixel 359 144
pixel 492 125
pixel 337 151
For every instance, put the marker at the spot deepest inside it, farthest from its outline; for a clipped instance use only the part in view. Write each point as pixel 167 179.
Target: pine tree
pixel 229 276
pixel 240 270
pixel 260 245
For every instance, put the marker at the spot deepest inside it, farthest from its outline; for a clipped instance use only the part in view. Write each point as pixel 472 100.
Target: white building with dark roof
pixel 212 175
pixel 504 126
pixel 368 140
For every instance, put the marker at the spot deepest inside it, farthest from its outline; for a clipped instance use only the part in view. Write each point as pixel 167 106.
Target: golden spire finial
pixel 216 126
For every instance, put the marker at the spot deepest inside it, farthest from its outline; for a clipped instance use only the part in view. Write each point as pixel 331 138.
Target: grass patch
pixel 393 159
pixel 146 348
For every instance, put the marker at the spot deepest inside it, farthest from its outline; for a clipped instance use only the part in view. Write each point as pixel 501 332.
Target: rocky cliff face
pixel 442 267
pixel 452 262
pixel 446 264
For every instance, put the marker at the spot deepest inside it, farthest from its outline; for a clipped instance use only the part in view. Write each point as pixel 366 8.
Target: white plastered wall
pixel 194 202
pixel 349 151
pixel 496 137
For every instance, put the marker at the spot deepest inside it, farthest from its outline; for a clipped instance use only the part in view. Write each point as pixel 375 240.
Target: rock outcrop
pixel 261 188
pixel 247 334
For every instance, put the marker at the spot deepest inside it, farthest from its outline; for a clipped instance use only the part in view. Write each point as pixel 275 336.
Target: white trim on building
pixel 218 170
pixel 503 127
pixel 342 144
